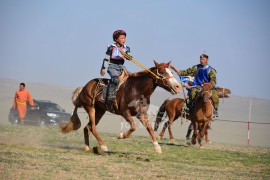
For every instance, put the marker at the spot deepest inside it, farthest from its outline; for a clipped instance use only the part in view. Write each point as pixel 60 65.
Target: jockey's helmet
pixel 117 33
pixel 204 56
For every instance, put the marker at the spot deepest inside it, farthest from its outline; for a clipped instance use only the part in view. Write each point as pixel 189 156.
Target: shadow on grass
pixel 173 144
pixel 96 150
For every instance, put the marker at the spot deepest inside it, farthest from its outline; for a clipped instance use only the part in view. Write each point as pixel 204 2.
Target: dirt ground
pixel 44 153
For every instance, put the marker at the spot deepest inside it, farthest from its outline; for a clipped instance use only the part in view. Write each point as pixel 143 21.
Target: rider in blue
pixel 115 60
pixel 203 73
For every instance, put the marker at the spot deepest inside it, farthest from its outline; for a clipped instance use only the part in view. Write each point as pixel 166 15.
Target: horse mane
pixel 207 86
pixel 141 73
pixel 161 68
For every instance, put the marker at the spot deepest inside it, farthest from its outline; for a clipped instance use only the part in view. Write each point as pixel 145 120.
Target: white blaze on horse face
pixel 173 81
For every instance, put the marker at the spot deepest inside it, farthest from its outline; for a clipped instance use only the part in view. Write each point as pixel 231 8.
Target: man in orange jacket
pixel 19 103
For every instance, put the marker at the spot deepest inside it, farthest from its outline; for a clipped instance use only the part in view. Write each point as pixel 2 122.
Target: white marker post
pixel 250 106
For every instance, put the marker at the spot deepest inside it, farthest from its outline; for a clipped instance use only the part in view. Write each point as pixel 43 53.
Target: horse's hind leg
pixel 170 129
pixel 206 135
pixel 91 112
pixel 88 128
pixel 86 132
pixel 161 134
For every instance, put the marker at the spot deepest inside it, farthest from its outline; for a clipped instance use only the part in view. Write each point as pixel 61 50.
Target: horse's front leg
pixel 144 120
pixel 195 133
pixel 130 120
pixel 202 132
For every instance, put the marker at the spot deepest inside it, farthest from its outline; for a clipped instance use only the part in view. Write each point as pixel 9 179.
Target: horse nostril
pixel 177 86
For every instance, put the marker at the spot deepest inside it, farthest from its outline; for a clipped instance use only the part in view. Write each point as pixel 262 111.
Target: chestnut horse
pixel 202 113
pixel 138 84
pixel 173 109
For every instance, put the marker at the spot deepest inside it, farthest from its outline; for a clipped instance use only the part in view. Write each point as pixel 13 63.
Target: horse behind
pixel 173 109
pixel 202 113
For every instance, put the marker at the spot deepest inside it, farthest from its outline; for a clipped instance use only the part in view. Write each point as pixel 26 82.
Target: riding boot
pixel 185 107
pixel 109 102
pixel 111 96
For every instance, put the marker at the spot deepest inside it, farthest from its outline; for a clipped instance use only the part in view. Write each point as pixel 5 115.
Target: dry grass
pixel 45 153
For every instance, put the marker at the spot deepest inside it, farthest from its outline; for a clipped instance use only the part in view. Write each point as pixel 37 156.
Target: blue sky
pixel 64 41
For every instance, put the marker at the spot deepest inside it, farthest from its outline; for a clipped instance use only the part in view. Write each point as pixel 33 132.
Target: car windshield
pixel 50 107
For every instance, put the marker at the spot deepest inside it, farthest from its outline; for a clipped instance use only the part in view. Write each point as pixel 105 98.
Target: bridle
pixel 163 80
pixel 157 76
pixel 206 98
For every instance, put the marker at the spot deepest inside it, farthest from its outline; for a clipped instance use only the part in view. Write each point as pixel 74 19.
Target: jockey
pixel 203 73
pixel 115 60
pixel 186 81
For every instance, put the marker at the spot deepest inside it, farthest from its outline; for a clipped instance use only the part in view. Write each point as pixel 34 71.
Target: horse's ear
pixel 156 64
pixel 168 64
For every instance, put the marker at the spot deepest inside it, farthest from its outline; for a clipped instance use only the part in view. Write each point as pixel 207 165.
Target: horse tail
pixel 75 96
pixel 74 122
pixel 160 114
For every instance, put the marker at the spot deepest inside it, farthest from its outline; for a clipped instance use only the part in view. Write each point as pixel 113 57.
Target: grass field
pixel 44 153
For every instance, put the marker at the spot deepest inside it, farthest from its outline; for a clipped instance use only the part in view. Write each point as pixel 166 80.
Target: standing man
pixel 19 103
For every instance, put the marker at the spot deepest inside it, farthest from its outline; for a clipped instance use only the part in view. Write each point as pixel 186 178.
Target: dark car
pixel 44 113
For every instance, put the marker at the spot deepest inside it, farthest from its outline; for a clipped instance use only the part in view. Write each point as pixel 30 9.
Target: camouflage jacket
pixel 193 72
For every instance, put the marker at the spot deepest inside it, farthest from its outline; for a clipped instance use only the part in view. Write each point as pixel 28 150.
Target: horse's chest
pixel 139 106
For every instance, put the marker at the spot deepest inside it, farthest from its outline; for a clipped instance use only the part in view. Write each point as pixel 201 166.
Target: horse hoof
pixel 120 136
pixel 172 141
pixel 158 150
pixel 88 149
pixel 98 150
pixel 209 142
pixel 201 147
pixel 104 148
pixel 159 138
pixel 188 143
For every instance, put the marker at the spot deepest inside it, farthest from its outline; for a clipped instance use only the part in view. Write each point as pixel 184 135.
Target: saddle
pixel 103 86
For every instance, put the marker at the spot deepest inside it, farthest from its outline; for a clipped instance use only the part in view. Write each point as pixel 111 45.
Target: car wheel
pixel 15 121
pixel 41 123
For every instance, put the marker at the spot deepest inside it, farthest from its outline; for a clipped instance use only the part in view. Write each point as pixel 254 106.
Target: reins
pixel 137 63
pixel 185 96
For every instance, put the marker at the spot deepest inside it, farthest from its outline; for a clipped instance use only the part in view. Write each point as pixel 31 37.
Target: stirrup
pixel 215 113
pixel 111 105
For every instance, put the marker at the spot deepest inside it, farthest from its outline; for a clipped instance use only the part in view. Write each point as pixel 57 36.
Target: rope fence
pixel 224 120
pixel 251 122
